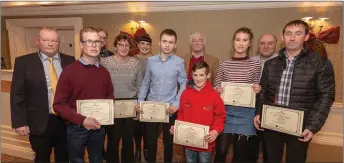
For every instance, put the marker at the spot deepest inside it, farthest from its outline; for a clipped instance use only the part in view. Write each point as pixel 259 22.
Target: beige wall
pixel 219 26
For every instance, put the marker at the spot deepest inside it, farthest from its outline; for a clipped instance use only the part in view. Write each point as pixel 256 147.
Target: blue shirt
pixel 46 65
pixel 162 79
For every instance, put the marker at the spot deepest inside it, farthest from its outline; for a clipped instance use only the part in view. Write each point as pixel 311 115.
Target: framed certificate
pixel 283 119
pixel 154 111
pixel 190 134
pixel 99 109
pixel 125 108
pixel 238 94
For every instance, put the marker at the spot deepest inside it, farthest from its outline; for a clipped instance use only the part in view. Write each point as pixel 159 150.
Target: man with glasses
pixel 84 79
pixel 33 85
pixel 104 52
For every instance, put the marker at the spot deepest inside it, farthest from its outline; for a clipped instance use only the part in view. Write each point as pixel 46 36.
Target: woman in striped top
pixel 239 120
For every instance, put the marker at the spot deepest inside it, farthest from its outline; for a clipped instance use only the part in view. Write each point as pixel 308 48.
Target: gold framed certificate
pixel 238 94
pixel 190 134
pixel 125 108
pixel 99 109
pixel 283 119
pixel 154 111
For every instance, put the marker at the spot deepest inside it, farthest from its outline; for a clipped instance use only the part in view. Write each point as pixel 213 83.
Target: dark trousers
pixel 54 136
pixel 242 148
pixel 139 134
pixel 79 138
pixel 152 136
pixel 254 146
pixel 296 150
pixel 123 128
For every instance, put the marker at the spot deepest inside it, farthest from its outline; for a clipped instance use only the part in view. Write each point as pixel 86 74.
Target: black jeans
pixel 123 128
pixel 79 138
pixel 139 134
pixel 54 136
pixel 296 150
pixel 152 136
pixel 242 148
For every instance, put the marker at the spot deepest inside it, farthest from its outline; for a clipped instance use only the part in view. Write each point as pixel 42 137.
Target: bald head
pixel 197 42
pixel 267 45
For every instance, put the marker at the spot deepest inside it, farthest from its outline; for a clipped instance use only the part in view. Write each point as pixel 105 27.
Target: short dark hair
pixel 297 23
pixel 200 65
pixel 169 32
pixel 122 36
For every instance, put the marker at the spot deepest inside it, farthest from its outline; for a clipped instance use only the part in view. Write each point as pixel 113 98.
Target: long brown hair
pixel 242 30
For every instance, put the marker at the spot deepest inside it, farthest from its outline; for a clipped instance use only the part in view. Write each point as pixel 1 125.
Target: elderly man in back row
pixel 197 53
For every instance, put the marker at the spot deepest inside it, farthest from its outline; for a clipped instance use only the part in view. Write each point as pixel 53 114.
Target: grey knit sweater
pixel 126 76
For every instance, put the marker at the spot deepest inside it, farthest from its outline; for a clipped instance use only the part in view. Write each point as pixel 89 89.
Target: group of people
pixel 47 84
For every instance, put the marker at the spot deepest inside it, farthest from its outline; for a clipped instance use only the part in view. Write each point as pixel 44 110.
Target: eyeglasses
pixel 92 43
pixel 48 41
pixel 123 45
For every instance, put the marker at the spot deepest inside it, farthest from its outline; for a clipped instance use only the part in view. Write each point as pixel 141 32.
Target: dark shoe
pixel 138 156
pixel 145 154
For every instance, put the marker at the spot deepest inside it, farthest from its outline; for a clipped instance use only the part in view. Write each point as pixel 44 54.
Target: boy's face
pixel 200 77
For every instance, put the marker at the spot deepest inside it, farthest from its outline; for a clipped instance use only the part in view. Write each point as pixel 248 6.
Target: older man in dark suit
pixel 32 93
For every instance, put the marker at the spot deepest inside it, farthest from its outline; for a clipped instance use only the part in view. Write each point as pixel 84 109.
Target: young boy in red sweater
pixel 200 104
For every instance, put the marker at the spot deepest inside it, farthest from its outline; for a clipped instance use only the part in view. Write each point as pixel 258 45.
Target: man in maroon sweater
pixel 84 79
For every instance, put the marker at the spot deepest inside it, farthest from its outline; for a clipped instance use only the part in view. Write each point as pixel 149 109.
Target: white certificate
pixel 190 134
pixel 125 108
pixel 154 111
pixel 99 109
pixel 282 119
pixel 238 94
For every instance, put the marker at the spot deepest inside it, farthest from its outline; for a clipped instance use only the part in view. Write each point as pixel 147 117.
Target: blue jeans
pixel 191 156
pixel 79 138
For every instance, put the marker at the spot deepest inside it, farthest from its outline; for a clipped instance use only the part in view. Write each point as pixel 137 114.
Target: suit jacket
pixel 212 61
pixel 29 92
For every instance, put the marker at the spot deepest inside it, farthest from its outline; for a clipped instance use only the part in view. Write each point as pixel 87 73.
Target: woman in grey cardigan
pixel 126 78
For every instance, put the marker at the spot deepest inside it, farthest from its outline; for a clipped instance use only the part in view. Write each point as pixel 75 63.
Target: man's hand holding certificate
pixel 238 94
pixel 99 109
pixel 282 119
pixel 191 134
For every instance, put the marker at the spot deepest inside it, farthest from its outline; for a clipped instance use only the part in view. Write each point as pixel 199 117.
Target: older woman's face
pixel 123 48
pixel 241 42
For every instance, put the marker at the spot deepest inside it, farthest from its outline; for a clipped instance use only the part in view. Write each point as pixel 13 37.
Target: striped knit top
pixel 238 70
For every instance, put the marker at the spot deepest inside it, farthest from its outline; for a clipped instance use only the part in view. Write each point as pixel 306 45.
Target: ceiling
pixel 45 3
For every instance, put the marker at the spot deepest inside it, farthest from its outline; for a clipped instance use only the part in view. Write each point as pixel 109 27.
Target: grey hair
pixel 197 33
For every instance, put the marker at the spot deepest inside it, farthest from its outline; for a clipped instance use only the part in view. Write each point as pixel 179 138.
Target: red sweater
pixel 203 107
pixel 80 82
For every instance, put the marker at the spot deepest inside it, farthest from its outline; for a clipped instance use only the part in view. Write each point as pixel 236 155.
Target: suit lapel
pixel 63 60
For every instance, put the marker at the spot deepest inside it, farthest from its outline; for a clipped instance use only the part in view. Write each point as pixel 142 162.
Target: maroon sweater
pixel 80 82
